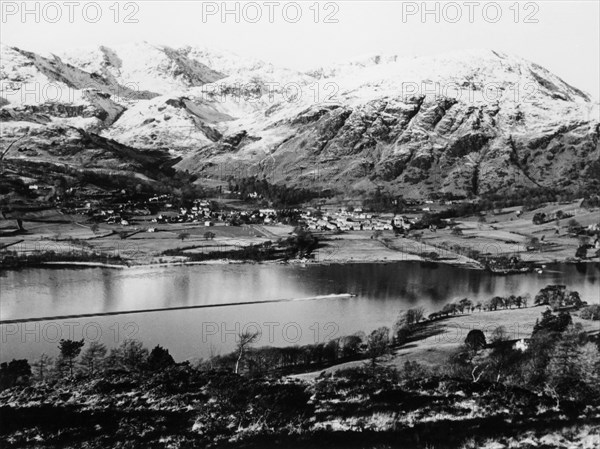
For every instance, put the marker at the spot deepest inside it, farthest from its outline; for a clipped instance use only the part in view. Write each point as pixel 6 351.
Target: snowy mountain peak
pixel 477 70
pixel 459 123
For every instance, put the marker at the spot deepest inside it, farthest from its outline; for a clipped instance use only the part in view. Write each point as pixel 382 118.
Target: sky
pixel 563 36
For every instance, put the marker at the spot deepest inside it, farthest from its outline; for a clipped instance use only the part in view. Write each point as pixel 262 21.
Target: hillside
pixel 463 124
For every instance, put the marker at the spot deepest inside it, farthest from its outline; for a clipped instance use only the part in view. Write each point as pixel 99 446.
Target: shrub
pixel 539 218
pixel 159 358
pixel 475 339
pixel 456 231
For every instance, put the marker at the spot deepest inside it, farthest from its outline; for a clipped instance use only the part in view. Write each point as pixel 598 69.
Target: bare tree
pixel 245 340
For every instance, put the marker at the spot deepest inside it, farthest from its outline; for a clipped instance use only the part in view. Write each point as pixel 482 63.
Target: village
pixel 163 210
pixel 169 228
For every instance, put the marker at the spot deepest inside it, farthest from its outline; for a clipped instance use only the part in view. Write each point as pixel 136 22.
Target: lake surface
pixel 382 291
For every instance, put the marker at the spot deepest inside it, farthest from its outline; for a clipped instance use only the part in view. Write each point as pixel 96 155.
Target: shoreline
pixel 467 264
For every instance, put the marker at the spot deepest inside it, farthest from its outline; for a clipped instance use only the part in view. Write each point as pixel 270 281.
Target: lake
pixel 382 291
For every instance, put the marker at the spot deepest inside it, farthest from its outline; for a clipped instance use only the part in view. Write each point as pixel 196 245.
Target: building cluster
pixel 115 208
pixel 355 220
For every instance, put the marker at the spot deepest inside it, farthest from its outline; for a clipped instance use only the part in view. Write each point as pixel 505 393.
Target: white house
pixel 521 345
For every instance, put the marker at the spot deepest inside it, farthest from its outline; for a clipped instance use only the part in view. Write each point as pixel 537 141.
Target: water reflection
pixel 382 291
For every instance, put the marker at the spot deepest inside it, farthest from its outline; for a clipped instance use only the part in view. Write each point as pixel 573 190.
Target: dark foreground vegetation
pixel 360 408
pixel 540 392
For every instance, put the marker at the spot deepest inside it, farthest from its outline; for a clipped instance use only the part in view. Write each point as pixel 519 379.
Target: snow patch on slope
pixel 144 66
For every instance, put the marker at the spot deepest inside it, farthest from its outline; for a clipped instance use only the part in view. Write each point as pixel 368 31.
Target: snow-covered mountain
pixel 465 123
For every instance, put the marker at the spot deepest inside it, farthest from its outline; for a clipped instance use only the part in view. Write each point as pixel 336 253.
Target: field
pixel 435 341
pixel 502 233
pixel 507 234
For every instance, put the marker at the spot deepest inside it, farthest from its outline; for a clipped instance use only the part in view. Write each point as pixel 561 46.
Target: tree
pixel 557 296
pixel 573 225
pixel 502 357
pixel 510 300
pixel 209 235
pixel 330 351
pixel 495 302
pixel 14 372
pixel 581 252
pixel 465 304
pixel 456 231
pixel 552 324
pixel 534 243
pixel 589 366
pixel 405 324
pixel 573 299
pixel 475 339
pixel 69 351
pixel 95 227
pixel 378 344
pixel 303 242
pixel 350 345
pixel 41 366
pixel 159 358
pixel 413 316
pixel 537 357
pixel 564 367
pixel 130 355
pixel 245 339
pixel 450 308
pixel 520 300
pixel 93 356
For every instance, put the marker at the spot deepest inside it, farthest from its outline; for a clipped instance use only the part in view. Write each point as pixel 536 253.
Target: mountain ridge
pixel 462 124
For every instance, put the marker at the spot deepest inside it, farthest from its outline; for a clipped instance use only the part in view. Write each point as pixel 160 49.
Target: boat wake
pixel 166 309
